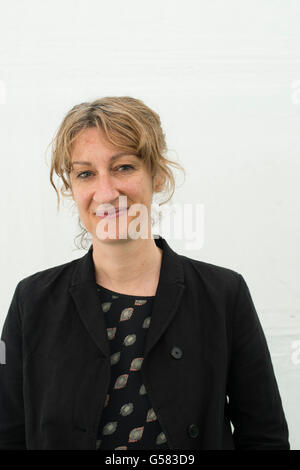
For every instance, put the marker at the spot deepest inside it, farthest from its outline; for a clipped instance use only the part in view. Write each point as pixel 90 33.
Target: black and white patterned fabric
pixel 128 420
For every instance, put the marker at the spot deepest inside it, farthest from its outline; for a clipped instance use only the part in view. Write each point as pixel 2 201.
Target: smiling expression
pixel 101 174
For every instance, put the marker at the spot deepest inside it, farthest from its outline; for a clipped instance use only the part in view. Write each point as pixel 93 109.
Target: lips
pixel 111 213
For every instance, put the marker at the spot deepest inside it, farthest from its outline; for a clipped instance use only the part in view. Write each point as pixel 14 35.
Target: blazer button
pixel 176 353
pixel 193 431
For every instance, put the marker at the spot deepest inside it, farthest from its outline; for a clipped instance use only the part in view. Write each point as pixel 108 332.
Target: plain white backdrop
pixel 224 76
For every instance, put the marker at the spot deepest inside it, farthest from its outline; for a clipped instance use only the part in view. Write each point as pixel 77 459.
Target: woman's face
pixel 98 179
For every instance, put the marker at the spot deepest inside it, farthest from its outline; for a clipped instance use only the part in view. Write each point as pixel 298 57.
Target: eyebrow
pixel 112 158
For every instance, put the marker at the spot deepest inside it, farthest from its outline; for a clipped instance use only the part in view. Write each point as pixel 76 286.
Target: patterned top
pixel 128 420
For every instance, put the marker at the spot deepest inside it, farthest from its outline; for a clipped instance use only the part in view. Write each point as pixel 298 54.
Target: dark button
pixel 193 431
pixel 176 353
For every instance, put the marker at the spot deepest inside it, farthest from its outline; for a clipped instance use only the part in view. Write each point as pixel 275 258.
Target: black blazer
pixel 206 361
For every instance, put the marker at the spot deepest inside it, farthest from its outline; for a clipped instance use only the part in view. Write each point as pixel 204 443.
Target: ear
pixel 158 182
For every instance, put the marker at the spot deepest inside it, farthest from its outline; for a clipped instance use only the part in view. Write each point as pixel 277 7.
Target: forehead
pixel 90 140
pixel 92 145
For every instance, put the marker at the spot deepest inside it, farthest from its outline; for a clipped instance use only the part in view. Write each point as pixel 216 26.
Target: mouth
pixel 111 215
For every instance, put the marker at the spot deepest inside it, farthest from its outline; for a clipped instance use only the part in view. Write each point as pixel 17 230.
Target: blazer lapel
pixel 83 289
pixel 169 292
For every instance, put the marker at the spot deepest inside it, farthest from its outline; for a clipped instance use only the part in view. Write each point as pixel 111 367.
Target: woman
pixel 132 346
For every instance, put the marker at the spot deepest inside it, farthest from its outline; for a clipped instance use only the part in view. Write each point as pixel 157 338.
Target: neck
pixel 124 264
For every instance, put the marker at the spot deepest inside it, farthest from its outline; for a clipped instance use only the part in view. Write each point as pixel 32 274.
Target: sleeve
pixel 12 419
pixel 255 407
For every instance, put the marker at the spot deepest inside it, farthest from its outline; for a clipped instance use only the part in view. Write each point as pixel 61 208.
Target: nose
pixel 105 190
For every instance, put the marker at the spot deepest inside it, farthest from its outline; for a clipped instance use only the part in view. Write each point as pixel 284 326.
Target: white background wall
pixel 224 77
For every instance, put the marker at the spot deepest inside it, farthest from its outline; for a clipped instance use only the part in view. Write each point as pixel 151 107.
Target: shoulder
pixel 46 279
pixel 218 289
pixel 217 281
pixel 209 271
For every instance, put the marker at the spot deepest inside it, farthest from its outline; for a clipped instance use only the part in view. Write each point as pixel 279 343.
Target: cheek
pixel 131 188
pixel 81 199
pixel 140 187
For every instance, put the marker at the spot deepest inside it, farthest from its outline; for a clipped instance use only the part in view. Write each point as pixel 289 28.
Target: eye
pixel 82 173
pixel 130 167
pixel 88 173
